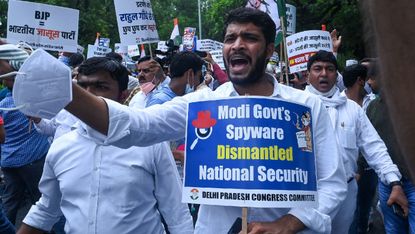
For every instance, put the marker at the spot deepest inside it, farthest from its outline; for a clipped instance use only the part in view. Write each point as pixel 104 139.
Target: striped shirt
pixel 21 146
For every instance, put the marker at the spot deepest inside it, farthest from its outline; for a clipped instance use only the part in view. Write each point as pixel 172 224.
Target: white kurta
pixel 104 189
pixel 158 123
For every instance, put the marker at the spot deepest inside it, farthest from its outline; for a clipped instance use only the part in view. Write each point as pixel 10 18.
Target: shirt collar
pixel 229 90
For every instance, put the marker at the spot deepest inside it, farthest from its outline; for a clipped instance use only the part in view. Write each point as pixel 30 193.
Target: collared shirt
pixel 62 123
pixel 21 146
pixel 161 96
pixel 140 100
pixel 129 126
pixel 355 133
pixel 104 189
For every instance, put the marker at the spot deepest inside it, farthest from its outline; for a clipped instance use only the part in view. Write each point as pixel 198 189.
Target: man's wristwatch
pixel 394 183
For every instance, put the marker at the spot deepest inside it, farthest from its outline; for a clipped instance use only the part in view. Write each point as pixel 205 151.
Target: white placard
pixel 217 56
pixel 205 45
pixel 133 50
pixel 136 23
pixel 97 51
pixel 43 26
pixel 121 50
pixel 80 49
pixel 291 18
pixel 301 46
pixel 161 45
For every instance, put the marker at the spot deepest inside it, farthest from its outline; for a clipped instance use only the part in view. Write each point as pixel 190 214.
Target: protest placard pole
pixel 244 220
pixel 280 62
pixel 149 49
pixel 284 43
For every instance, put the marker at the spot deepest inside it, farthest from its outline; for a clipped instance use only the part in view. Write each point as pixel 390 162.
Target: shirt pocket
pixel 347 137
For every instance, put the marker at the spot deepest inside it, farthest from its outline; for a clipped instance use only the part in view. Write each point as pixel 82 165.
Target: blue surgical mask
pixel 367 88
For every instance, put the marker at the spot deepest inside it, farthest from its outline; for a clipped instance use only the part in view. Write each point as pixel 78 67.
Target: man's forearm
pixel 26 229
pixel 90 109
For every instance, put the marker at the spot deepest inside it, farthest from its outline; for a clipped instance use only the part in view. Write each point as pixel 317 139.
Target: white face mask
pixel 42 86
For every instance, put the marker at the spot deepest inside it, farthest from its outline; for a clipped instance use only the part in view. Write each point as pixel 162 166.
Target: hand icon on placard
pixel 203 126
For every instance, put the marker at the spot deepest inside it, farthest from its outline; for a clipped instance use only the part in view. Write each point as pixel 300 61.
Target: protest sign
pixel 133 51
pixel 43 26
pixel 104 42
pixel 291 18
pixel 136 23
pixel 301 46
pixel 189 39
pixel 161 45
pixel 121 50
pixel 97 51
pixel 250 152
pixel 80 49
pixel 217 56
pixel 205 45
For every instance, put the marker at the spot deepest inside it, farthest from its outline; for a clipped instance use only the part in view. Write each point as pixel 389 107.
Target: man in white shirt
pixel 104 189
pixel 248 44
pixel 148 81
pixel 355 133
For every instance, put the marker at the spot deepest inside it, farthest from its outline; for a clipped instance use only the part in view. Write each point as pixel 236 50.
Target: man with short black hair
pixel 101 188
pixel 249 36
pixel 148 82
pixel 186 76
pixel 354 132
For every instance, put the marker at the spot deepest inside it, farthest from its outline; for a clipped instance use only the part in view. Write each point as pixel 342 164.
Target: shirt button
pixel 91 222
pixel 93 195
pixel 96 169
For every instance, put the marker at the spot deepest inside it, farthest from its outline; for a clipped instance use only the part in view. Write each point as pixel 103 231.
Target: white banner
pixel 291 18
pixel 217 56
pixel 301 46
pixel 121 50
pixel 97 51
pixel 208 45
pixel 133 50
pixel 161 45
pixel 136 23
pixel 43 26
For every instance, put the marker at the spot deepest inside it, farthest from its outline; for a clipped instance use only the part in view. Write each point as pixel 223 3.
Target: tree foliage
pixel 99 16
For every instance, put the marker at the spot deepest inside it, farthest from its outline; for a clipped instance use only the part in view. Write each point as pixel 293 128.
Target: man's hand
pixel 287 224
pixel 398 196
pixel 336 40
pixel 209 58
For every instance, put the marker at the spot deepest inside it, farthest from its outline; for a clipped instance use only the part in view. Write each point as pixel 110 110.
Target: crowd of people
pixel 112 160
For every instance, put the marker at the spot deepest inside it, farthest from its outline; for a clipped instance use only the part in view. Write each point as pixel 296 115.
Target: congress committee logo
pixel 203 126
pixel 194 194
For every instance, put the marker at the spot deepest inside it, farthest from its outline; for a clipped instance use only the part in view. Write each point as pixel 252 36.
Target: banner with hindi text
pixel 136 22
pixel 303 45
pixel 43 26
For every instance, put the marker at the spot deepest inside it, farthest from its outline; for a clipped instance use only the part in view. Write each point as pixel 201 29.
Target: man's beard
pixel 254 75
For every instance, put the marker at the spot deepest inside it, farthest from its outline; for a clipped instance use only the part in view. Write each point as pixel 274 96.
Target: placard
pixel 250 152
pixel 43 26
pixel 136 23
pixel 301 46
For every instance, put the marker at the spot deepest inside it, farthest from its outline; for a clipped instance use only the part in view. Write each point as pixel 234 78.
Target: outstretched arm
pixel 90 109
